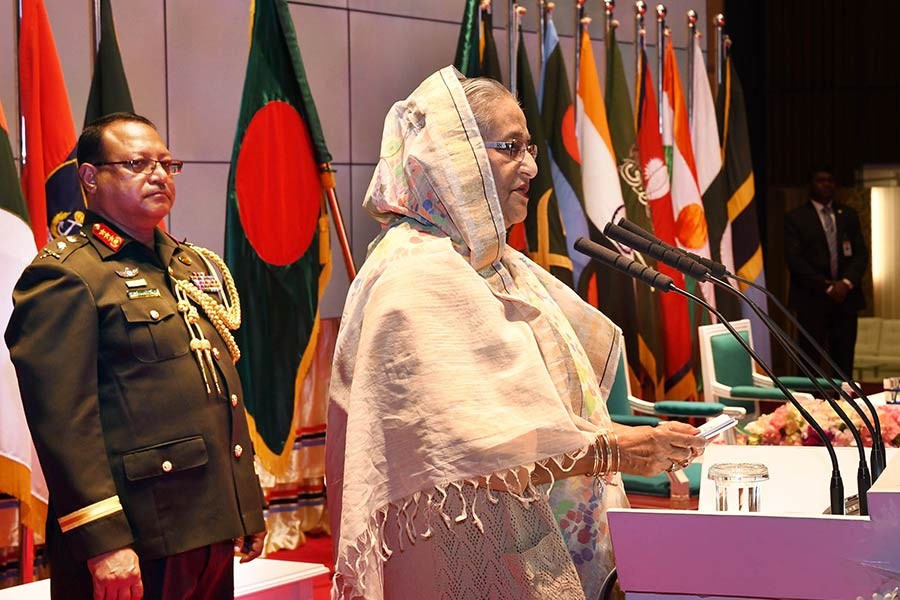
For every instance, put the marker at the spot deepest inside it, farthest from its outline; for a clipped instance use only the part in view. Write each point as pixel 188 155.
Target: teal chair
pixel 679 489
pixel 728 374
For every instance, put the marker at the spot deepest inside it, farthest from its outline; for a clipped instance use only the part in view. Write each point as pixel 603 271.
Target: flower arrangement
pixel 786 427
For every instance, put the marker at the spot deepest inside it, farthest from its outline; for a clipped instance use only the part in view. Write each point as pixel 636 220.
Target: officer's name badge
pixel 127 272
pixel 107 236
pixel 151 293
pixel 136 283
pixel 206 282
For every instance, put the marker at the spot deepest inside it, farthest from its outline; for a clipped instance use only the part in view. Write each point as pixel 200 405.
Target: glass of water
pixel 738 485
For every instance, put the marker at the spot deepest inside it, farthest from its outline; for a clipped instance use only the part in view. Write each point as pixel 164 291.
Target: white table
pixel 261 579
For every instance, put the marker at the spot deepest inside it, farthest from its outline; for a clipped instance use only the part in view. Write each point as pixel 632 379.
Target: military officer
pixel 121 339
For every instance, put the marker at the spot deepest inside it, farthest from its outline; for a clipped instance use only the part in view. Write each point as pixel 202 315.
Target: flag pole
pixel 542 23
pixel 609 7
pixel 692 31
pixel 640 42
pixel 26 536
pixel 720 46
pixel 334 209
pixel 511 39
pixel 660 55
pixel 95 32
pixel 579 22
pixel 640 9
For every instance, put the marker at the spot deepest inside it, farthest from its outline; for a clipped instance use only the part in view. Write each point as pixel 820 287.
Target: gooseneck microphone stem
pixel 716 269
pixel 837 484
pixel 812 370
pixel 879 458
pixel 664 284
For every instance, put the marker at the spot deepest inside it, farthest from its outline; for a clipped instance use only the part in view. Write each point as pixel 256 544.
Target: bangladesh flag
pixel 276 229
pixel 468 55
pixel 109 87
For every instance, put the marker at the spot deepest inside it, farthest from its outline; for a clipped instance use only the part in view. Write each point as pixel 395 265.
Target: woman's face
pixel 511 174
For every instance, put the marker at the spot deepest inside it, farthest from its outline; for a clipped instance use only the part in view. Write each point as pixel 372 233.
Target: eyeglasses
pixel 147 165
pixel 515 148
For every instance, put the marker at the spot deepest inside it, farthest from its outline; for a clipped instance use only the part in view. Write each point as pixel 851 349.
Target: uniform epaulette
pixel 60 248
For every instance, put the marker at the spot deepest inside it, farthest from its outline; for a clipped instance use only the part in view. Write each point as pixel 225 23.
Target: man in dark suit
pixel 121 341
pixel 827 258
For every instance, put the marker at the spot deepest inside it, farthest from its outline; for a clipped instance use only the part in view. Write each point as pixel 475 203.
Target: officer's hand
pixel 251 546
pixel 117 575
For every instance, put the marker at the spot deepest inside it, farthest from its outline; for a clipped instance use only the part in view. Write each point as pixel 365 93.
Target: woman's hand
pixel 649 451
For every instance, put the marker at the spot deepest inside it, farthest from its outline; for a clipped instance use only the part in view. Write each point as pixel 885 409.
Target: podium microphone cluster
pixel 716 272
pixel 685 263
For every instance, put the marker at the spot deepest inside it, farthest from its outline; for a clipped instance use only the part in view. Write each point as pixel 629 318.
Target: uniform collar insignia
pixel 127 272
pixel 109 237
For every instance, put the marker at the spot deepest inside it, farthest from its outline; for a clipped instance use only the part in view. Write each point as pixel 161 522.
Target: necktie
pixel 831 236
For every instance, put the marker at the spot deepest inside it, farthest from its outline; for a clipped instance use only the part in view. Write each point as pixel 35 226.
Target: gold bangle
pixel 618 463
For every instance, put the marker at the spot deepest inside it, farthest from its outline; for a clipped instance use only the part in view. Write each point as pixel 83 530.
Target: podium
pixel 795 553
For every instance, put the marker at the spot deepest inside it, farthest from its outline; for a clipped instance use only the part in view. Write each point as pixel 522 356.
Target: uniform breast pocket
pixel 155 330
pixel 165 458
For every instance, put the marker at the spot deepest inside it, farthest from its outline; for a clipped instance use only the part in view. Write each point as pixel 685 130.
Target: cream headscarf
pixel 457 360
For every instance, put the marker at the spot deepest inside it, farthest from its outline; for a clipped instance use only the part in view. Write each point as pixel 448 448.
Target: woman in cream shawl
pixel 467 380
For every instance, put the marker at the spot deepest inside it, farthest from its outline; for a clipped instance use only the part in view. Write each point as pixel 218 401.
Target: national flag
pixel 490 59
pixel 276 230
pixel 109 87
pixel 711 178
pixel 49 173
pixel 690 220
pixel 680 381
pixel 747 251
pixel 20 471
pixel 647 359
pixel 558 118
pixel 543 227
pixel 468 44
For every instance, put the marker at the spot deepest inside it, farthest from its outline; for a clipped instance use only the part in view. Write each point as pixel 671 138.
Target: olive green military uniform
pixel 134 448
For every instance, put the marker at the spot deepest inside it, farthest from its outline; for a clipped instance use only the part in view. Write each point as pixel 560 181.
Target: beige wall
pixel 185 61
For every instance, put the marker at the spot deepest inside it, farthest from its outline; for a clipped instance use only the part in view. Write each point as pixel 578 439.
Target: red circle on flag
pixel 277 184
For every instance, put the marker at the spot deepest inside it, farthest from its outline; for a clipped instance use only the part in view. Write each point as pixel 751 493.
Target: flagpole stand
pixel 334 210
pixel 26 551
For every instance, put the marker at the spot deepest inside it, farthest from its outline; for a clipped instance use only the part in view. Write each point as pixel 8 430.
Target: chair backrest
pixel 889 344
pixel 722 358
pixel 617 403
pixel 868 336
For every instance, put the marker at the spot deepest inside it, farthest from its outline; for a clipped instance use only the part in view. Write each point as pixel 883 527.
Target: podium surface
pixel 260 579
pixel 798 554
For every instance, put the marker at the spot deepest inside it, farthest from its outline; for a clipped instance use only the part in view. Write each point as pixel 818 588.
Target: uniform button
pixel 171 271
pixel 166 466
pixel 234 400
pixel 215 352
pixel 185 260
pixel 238 450
pixel 154 314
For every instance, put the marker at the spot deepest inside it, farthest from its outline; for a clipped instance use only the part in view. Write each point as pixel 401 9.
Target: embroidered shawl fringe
pixel 360 565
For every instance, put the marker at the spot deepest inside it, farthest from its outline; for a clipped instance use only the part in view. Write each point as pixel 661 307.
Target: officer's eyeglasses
pixel 515 148
pixel 146 166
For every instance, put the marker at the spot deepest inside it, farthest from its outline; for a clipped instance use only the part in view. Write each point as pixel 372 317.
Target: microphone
pixel 715 268
pixel 642 273
pixel 863 478
pixel 621 263
pixel 718 270
pixel 666 255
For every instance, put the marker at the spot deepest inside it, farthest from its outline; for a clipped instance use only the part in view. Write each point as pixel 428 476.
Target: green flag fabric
pixel 109 87
pixel 276 230
pixel 468 52
pixel 490 58
pixel 543 227
pixel 650 348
